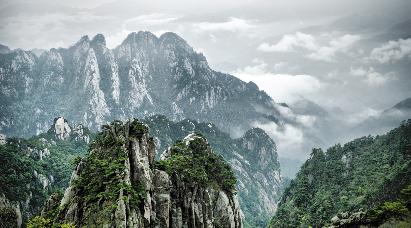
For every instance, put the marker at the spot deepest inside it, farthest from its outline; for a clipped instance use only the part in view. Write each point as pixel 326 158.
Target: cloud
pixel 372 77
pixel 324 48
pixel 290 42
pixel 281 87
pixel 233 24
pixel 392 51
pixel 341 44
pixel 358 117
pixel 289 139
pixel 149 20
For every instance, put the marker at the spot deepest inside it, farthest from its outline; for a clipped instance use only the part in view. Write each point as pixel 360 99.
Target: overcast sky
pixel 351 57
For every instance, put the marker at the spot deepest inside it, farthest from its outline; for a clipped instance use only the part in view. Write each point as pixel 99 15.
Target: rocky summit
pixel 91 84
pixel 119 184
pixel 252 157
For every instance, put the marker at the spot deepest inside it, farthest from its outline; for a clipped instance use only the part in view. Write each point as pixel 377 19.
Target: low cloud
pixel 289 139
pixel 372 77
pixel 324 48
pixel 328 52
pixel 290 43
pixel 281 87
pixel 356 118
pixel 392 51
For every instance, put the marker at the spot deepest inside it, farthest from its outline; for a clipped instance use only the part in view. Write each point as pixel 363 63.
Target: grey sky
pixel 344 55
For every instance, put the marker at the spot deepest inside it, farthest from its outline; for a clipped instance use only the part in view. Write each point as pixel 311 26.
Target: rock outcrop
pixel 61 130
pixel 120 185
pixel 253 159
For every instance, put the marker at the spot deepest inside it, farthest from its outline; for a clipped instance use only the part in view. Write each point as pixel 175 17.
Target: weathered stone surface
pixel 168 202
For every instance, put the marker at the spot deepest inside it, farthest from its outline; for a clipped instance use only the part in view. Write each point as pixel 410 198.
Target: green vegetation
pixel 367 173
pixel 196 163
pixel 252 202
pixel 101 178
pixel 8 217
pixel 26 162
pixel 41 222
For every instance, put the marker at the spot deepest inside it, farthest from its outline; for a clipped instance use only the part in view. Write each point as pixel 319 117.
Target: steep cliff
pixel 120 185
pixel 253 158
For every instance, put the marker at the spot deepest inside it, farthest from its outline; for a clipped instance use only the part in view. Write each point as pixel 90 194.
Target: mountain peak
pixel 4 49
pixel 83 39
pixel 136 37
pixel 404 104
pixel 170 39
pixel 99 39
pixel 257 133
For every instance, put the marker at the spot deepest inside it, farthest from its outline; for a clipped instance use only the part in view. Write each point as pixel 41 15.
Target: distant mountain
pixel 385 120
pixel 307 107
pixel 4 49
pixel 365 182
pixel 404 105
pixel 144 75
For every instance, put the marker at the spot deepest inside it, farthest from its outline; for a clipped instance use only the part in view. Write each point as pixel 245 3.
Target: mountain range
pixel 144 75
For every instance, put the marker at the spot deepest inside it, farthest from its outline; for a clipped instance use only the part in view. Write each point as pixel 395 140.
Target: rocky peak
pixel 61 128
pixel 143 39
pixel 257 140
pixel 99 39
pixel 119 185
pixel 83 40
pixel 4 49
pixel 170 41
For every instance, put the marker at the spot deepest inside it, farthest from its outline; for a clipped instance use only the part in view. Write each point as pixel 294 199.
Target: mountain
pixel 31 169
pixel 307 107
pixel 386 119
pixel 119 184
pixel 4 49
pixel 144 75
pixel 361 182
pixel 404 105
pixel 253 158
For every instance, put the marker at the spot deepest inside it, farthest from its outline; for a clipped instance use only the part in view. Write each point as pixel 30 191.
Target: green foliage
pixel 41 222
pixel 8 217
pixel 101 178
pixel 197 163
pixel 364 173
pixel 387 211
pixel 168 132
pixel 21 166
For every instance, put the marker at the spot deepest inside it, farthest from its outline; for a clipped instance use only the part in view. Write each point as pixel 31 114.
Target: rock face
pixel 92 84
pixel 120 185
pixel 61 130
pixel 253 158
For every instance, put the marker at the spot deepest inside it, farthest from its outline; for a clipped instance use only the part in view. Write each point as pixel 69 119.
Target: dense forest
pixel 366 181
pixel 32 169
